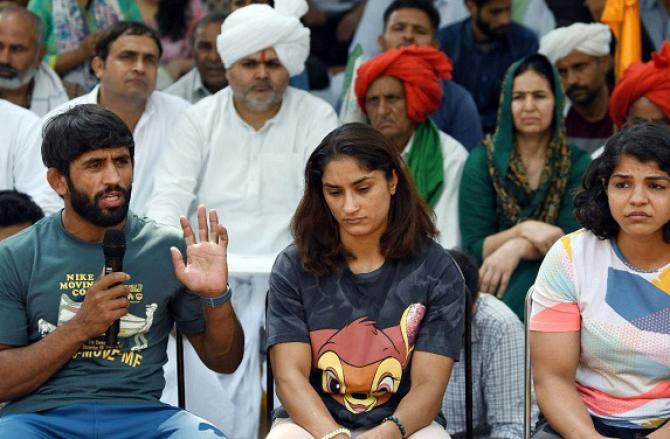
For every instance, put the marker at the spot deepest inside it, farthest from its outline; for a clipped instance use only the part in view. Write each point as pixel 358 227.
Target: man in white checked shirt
pixel 497 367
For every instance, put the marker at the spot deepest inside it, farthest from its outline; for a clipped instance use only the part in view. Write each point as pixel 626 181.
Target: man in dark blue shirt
pixel 482 47
pixel 409 22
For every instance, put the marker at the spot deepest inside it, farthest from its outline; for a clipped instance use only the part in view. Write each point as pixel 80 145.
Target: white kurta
pixel 254 179
pixel 48 91
pixel 446 208
pixel 151 136
pixel 21 165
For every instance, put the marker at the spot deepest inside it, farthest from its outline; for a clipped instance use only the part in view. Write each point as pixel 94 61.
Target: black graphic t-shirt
pixel 363 328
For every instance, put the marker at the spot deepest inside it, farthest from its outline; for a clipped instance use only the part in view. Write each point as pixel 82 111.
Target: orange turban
pixel 419 68
pixel 650 79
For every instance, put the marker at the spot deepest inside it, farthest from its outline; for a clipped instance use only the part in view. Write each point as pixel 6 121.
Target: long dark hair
pixel 316 231
pixel 645 142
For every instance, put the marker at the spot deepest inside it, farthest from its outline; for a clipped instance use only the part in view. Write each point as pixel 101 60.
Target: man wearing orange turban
pixel 398 89
pixel 643 92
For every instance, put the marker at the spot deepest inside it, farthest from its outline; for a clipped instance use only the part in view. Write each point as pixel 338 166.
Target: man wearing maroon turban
pixel 397 90
pixel 642 94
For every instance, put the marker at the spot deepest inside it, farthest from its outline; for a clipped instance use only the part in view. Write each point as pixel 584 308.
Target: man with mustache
pixel 126 63
pixel 208 76
pixel 243 151
pixel 482 47
pixel 581 54
pixel 24 79
pixel 398 89
pixel 63 378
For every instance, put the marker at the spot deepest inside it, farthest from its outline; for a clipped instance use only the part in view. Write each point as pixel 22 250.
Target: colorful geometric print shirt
pixel 623 314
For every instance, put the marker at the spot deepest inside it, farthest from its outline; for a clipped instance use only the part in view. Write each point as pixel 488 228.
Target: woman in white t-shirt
pixel 600 321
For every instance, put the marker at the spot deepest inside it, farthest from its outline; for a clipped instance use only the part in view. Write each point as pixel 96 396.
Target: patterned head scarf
pixel 516 200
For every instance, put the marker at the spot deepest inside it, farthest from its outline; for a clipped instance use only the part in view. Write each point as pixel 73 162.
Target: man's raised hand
pixel 206 269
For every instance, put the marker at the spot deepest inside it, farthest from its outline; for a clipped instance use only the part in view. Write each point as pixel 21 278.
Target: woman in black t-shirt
pixel 365 311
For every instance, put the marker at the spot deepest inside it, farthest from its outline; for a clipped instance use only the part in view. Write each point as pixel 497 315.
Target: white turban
pixel 257 27
pixel 592 39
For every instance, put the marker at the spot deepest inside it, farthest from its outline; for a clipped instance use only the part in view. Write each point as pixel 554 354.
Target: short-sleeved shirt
pixel 44 275
pixel 363 328
pixel 585 284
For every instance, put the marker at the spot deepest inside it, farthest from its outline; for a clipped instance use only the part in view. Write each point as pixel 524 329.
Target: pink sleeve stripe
pixel 563 317
pixel 601 403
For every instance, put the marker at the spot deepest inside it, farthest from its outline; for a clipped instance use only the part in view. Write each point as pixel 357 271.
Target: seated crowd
pixel 378 173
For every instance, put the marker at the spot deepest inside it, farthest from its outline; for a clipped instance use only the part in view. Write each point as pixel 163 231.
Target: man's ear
pixel 57 181
pixel 381 42
pixel 607 63
pixel 471 6
pixel 98 66
pixel 40 55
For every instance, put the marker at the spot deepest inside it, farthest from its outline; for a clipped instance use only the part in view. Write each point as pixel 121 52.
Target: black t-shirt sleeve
pixel 441 329
pixel 286 321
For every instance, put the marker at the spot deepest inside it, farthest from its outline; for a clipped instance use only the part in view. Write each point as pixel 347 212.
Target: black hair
pixel 18 208
pixel 479 3
pixel 470 271
pixel 172 18
pixel 121 28
pixel 82 128
pixel 424 5
pixel 646 143
pixel 315 230
pixel 539 64
pixel 212 17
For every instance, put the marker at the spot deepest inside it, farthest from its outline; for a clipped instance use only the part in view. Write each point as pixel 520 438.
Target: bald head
pixel 21 46
pixel 34 25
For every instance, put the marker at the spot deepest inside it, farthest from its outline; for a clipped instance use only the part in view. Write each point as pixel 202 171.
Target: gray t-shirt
pixel 363 328
pixel 44 275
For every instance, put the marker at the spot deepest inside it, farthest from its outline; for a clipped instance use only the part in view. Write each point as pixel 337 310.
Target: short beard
pixel 255 104
pixel 490 33
pixel 90 211
pixel 18 80
pixel 585 99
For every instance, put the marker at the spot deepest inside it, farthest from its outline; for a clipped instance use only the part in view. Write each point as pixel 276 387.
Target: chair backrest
pixel 181 389
pixel 527 383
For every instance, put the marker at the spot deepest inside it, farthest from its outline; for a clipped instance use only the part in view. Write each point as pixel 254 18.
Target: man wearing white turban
pixel 243 152
pixel 581 54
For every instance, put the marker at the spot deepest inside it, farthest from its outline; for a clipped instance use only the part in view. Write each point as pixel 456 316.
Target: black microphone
pixel 114 247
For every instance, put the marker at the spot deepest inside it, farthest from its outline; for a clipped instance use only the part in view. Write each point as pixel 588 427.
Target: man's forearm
pixel 66 61
pixel 223 341
pixel 25 369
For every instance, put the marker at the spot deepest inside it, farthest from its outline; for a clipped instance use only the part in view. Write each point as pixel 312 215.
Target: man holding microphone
pixel 55 307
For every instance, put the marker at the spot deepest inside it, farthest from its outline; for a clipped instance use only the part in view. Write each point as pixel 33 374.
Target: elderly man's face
pixel 643 110
pixel 130 68
pixel 258 81
pixel 207 59
pixel 20 50
pixel 407 26
pixel 386 106
pixel 582 76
